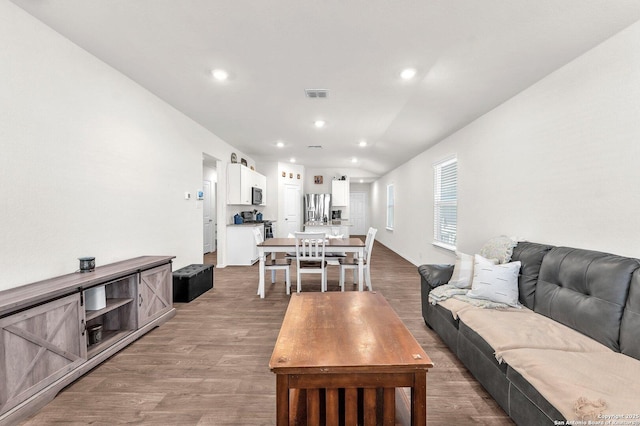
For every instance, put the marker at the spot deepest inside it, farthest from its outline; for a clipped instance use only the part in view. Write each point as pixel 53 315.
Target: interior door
pixel 207 218
pixel 214 215
pixel 358 213
pixel 292 210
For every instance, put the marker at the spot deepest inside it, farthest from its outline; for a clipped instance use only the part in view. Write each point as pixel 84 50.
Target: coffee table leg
pixel 419 399
pixel 282 399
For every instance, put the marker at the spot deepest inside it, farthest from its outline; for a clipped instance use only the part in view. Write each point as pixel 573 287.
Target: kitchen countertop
pixel 250 223
pixel 329 223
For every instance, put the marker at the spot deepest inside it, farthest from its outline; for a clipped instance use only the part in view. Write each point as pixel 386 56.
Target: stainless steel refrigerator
pixel 317 207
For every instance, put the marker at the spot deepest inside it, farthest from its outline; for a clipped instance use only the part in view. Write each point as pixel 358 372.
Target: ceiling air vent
pixel 316 93
pixel 315 146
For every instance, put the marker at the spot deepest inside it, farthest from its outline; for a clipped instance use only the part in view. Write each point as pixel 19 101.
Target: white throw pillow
pixel 462 276
pixel 500 248
pixel 498 283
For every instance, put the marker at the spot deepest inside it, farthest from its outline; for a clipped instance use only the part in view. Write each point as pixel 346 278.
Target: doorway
pixel 209 204
pixel 207 222
pixel 292 209
pixel 358 213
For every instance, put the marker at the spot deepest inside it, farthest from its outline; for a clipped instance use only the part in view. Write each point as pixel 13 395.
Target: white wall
pixel 558 164
pixel 91 164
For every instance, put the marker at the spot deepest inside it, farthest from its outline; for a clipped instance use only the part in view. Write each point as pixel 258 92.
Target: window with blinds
pixel 445 203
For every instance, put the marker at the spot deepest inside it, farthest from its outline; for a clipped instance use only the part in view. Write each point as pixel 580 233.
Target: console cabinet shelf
pixel 111 305
pixel 44 343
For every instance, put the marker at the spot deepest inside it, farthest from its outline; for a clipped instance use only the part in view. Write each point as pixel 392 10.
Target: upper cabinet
pixel 340 192
pixel 241 180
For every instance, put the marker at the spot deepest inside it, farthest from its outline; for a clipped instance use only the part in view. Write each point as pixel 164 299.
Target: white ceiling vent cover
pixel 315 146
pixel 316 93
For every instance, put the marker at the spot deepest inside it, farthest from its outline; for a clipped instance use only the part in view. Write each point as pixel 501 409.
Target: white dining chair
pixel 273 264
pixel 353 263
pixel 310 258
pixel 334 259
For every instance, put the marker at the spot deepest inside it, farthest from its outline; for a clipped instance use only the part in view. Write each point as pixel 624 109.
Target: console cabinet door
pixel 38 346
pixel 155 293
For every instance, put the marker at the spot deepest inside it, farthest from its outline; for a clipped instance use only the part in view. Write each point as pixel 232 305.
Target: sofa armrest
pixel 432 276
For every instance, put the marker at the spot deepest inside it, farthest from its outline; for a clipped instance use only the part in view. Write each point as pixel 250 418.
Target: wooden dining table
pixel 332 245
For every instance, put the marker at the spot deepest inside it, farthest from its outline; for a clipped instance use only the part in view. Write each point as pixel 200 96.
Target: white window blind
pixel 445 203
pixel 390 206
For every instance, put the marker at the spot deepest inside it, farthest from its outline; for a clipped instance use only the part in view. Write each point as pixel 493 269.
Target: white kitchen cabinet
pixel 240 181
pixel 340 193
pixel 241 244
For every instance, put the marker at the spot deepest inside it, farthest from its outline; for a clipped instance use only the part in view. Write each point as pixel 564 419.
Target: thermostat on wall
pixel 187 195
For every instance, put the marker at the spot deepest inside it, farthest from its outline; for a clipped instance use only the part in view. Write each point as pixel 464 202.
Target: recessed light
pixel 354 160
pixel 220 75
pixel 363 143
pixel 408 73
pixel 319 124
pixel 361 180
pixel 292 160
pixel 280 144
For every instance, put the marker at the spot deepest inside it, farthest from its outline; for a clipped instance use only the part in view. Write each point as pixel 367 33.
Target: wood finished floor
pixel 209 364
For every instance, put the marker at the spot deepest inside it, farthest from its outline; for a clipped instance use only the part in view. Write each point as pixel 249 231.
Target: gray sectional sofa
pixel 571 354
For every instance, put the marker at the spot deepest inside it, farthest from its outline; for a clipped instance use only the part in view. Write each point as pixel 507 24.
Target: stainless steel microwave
pixel 256 195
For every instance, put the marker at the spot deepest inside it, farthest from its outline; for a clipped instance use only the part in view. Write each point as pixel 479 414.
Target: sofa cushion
pixel 608 376
pixel 462 271
pixel 522 328
pixel 481 363
pixel 630 326
pixel 530 256
pixel 440 320
pixel 500 248
pixel 527 406
pixel 454 306
pixel 498 283
pixel 585 290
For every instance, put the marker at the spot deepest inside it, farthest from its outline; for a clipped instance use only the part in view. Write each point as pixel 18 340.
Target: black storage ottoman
pixel 191 281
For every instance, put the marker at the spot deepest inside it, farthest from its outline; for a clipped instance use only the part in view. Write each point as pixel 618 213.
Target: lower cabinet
pixel 155 293
pixel 241 244
pixel 54 331
pixel 39 346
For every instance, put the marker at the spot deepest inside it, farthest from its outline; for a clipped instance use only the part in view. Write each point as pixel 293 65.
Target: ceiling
pixel 470 56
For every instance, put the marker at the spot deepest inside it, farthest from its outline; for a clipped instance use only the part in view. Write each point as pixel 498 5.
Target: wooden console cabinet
pixel 44 344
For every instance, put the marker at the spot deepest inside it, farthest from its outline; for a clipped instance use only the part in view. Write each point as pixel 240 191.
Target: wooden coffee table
pixel 339 358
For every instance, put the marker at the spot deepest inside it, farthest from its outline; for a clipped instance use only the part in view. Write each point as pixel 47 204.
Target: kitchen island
pixel 330 228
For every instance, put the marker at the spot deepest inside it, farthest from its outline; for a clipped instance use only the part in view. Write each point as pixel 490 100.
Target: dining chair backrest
pixel 368 244
pixel 257 235
pixel 310 246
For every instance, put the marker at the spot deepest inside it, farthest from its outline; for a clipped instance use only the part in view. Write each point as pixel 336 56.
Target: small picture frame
pixel 318 180
pixel 290 175
pixel 298 175
pixel 284 174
